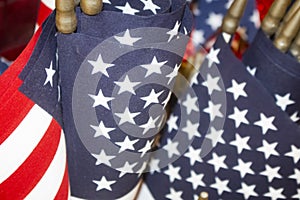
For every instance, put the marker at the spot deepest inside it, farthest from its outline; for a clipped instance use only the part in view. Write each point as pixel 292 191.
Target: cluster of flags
pixel 84 115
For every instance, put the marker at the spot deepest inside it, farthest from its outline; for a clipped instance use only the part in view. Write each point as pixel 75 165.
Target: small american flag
pixel 32 144
pixel 110 81
pixel 278 72
pixel 226 136
pixel 209 15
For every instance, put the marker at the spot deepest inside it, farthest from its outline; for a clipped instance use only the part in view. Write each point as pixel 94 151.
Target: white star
pixel 266 123
pixel 173 173
pixel 297 196
pixel 271 173
pixel 255 19
pixel 154 165
pixel 174 195
pixel 214 20
pixel 296 176
pixel 268 149
pixel 171 148
pixel 213 110
pixel 146 148
pixel 295 117
pixel 283 101
pixel 239 117
pixel 244 168
pixel 251 71
pixel 100 66
pixel 198 37
pixel 212 56
pixel 196 180
pixel 126 85
pixel 154 66
pixel 127 9
pixel 218 162
pixel 240 143
pixel 275 194
pixel 126 144
pixel 126 116
pixel 102 130
pixel 294 153
pixel 50 73
pixel 100 99
pixel 103 158
pixel 104 184
pixel 191 104
pixel 212 84
pixel 221 186
pixel 149 5
pixel 126 39
pixel 151 124
pixel 215 136
pixel 237 89
pixel 172 123
pixel 191 129
pixel 173 73
pixel 247 190
pixel 193 155
pixel 127 168
pixel 151 98
pixel 174 31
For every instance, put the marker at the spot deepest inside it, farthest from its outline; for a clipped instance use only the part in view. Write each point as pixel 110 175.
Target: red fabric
pixel 17 22
pixel 263 7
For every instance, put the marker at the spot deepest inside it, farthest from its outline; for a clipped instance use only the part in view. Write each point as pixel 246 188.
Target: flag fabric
pixel 113 78
pixel 278 72
pixel 226 136
pixel 209 16
pixel 32 144
pixel 17 20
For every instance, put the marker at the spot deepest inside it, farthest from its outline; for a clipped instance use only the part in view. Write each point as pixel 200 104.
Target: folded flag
pixel 226 136
pixel 278 72
pixel 113 77
pixel 33 161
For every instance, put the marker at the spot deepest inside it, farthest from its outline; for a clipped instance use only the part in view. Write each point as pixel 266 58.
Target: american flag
pixel 226 136
pixel 32 144
pixel 277 71
pixel 209 15
pixel 113 78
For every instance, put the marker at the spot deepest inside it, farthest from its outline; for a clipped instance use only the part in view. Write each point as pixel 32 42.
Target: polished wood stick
pixel 65 19
pixel 91 7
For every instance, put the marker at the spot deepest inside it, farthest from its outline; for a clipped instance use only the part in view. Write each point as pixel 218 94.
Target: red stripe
pixel 44 12
pixel 12 112
pixel 9 77
pixel 63 192
pixel 25 178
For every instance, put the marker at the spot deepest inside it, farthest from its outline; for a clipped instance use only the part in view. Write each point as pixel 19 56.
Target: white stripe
pixel 145 193
pixel 49 3
pixel 19 145
pixel 50 183
pixel 227 37
pixel 128 196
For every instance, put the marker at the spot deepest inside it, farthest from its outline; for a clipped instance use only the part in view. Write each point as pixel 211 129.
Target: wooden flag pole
pixel 288 33
pixel 203 196
pixel 295 47
pixel 232 19
pixel 91 7
pixel 272 20
pixel 287 17
pixel 65 19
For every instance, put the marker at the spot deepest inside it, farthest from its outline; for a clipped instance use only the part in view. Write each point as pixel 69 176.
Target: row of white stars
pixel 127 9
